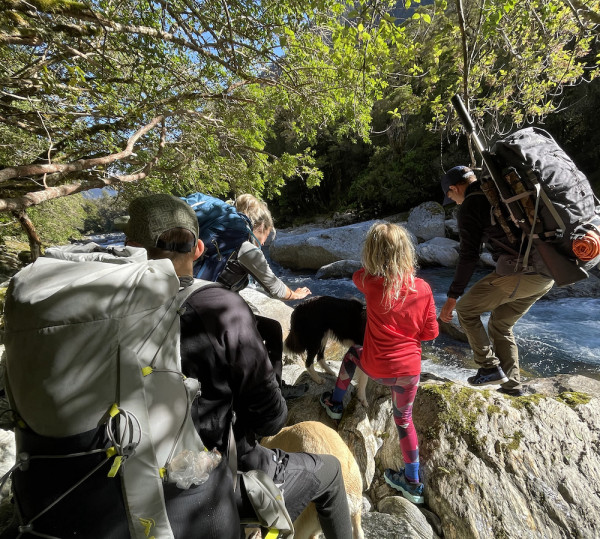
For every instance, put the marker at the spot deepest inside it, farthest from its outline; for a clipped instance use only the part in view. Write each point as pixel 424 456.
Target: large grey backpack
pixel 552 193
pixel 92 346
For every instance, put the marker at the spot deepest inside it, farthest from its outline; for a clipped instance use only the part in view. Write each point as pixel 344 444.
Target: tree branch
pixel 82 164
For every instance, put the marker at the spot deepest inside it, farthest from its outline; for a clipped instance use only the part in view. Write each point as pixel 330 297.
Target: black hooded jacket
pixel 221 347
pixel 475 228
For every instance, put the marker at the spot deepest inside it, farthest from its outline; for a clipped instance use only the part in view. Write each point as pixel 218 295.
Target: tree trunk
pixel 466 70
pixel 35 244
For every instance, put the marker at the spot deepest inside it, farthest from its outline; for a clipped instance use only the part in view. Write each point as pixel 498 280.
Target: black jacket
pixel 221 347
pixel 475 227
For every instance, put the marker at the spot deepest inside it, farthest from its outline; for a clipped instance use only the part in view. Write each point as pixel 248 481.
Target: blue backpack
pixel 222 230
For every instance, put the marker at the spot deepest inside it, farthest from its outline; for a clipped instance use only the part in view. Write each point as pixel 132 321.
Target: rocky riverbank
pixel 494 466
pixel 334 252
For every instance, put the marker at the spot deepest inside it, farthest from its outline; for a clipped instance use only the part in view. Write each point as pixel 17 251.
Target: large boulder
pixel 316 248
pixel 453 330
pixel 451 229
pixel 511 467
pixel 310 248
pixel 268 306
pixel 588 288
pixel 339 270
pixel 438 252
pixel 494 466
pixel 427 221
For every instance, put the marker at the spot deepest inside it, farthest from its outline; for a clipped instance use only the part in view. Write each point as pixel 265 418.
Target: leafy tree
pixel 185 95
pixel 101 213
pixel 513 62
pixel 510 60
pixel 60 220
pixel 575 128
pixel 181 94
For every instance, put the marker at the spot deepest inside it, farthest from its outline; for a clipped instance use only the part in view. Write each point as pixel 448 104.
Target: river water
pixel 555 337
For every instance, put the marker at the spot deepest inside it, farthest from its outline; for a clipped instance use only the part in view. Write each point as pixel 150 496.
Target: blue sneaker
pixel 413 492
pixel 488 376
pixel 334 409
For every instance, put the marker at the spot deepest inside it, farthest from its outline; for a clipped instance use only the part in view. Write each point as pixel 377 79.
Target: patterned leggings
pixel 403 391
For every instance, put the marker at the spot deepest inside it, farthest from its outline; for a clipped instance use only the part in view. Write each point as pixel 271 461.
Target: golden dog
pixel 315 437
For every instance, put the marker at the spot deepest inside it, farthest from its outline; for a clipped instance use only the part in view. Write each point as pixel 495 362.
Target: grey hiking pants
pixel 304 478
pixel 508 298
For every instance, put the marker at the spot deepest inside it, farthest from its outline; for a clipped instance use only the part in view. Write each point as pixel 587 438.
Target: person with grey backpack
pixel 222 348
pixel 508 292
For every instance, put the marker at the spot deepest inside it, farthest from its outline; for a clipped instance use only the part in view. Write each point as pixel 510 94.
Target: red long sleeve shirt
pixel 392 345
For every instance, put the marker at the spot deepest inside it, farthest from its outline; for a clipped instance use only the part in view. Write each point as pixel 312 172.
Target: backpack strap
pixel 538 189
pixel 197 284
pixel 182 297
pixel 489 190
pixel 547 202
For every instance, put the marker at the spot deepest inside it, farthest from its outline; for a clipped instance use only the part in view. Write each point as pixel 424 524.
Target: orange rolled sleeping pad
pixel 587 247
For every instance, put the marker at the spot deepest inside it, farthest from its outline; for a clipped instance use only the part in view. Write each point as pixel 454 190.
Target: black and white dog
pixel 315 321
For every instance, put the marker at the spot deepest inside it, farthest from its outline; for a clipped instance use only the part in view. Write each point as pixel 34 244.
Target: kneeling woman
pixel 250 260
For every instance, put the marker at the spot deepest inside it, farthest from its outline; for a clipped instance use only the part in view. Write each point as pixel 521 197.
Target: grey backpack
pixel 92 346
pixel 554 194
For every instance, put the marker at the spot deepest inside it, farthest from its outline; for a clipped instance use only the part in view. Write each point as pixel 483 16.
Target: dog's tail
pixel 292 343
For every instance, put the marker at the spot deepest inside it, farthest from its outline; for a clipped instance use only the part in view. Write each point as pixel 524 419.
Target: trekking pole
pixel 563 270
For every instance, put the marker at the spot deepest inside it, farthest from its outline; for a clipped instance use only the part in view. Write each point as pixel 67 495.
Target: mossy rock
pixel 459 408
pixel 526 401
pixel 573 398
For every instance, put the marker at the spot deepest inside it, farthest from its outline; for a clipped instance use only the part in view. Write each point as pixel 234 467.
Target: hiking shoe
pixel 413 492
pixel 486 377
pixel 290 392
pixel 334 409
pixel 512 391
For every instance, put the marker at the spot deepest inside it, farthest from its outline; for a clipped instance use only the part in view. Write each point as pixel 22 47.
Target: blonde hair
pixel 256 210
pixel 389 252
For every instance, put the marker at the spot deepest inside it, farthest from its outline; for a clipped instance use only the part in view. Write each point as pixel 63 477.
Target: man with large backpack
pixel 508 292
pixel 106 446
pixel 221 347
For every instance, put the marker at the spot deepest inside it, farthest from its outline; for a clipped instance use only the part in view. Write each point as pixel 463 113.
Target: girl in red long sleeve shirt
pixel 400 314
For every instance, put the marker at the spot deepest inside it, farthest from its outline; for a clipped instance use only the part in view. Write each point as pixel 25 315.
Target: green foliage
pixel 528 402
pixel 60 220
pixel 575 128
pixel 517 59
pixel 515 441
pixel 524 59
pixel 80 80
pixel 277 97
pixel 101 212
pixel 395 182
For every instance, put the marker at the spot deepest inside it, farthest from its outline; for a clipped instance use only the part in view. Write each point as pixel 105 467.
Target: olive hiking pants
pixel 508 298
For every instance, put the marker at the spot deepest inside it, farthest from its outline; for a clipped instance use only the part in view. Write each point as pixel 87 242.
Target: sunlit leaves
pixel 222 74
pixel 518 57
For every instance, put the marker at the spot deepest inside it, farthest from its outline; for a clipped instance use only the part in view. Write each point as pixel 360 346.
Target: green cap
pixel 153 215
